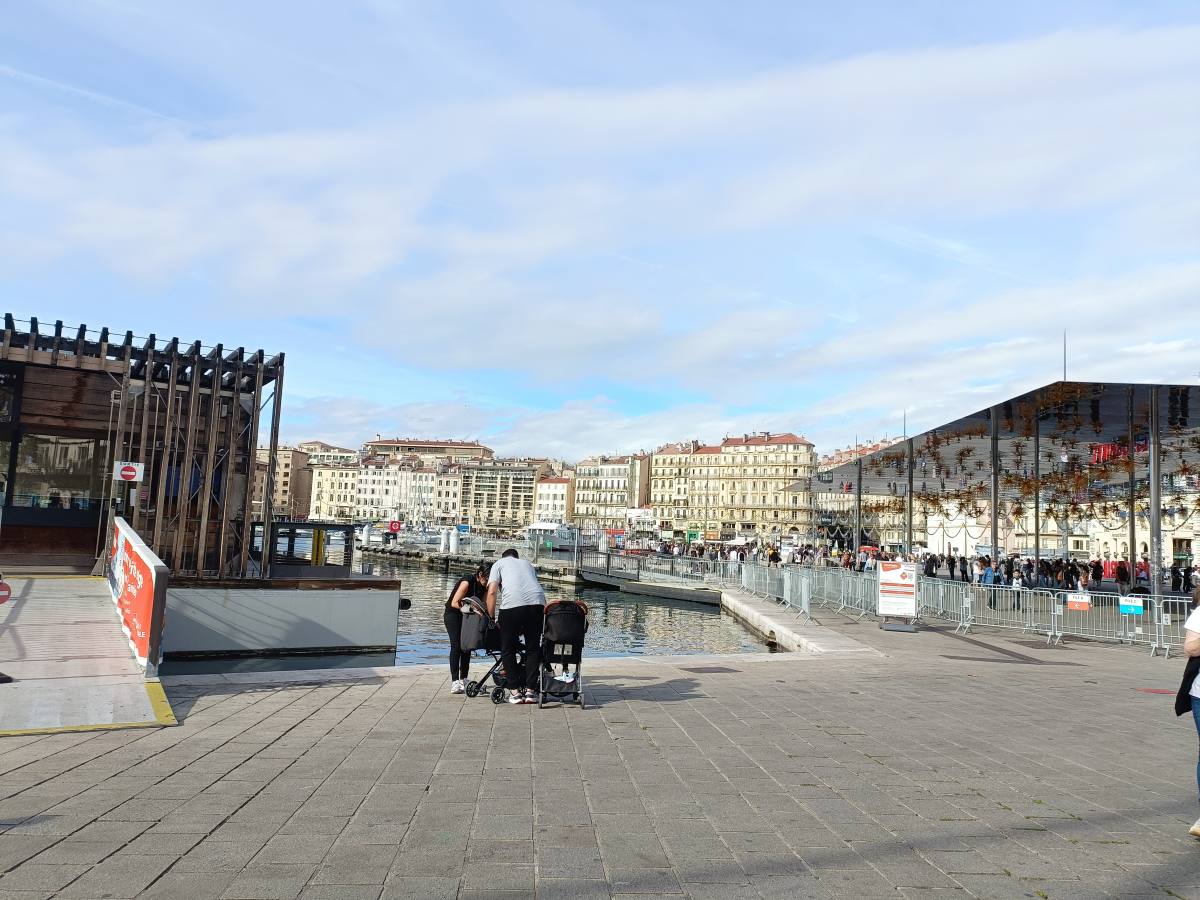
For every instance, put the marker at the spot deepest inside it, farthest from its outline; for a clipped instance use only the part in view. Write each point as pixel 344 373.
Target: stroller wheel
pixel 581 700
pixel 472 688
pixel 498 695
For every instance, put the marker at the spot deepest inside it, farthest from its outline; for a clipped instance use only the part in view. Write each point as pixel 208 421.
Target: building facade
pixel 321 452
pixel 429 452
pixel 669 488
pixel 758 486
pixel 447 502
pixel 606 488
pixel 498 494
pixel 334 491
pixel 552 499
pixel 292 484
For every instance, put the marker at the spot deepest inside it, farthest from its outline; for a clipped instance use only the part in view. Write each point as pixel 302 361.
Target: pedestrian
pixel 467 586
pixel 1097 579
pixel 1189 572
pixel 1176 577
pixel 1122 578
pixel 951 562
pixel 1188 697
pixel 515 594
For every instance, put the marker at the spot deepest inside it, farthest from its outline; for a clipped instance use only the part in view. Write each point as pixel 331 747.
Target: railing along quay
pixel 1137 620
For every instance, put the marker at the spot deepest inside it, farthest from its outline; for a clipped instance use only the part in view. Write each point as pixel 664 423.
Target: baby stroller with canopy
pixel 562 646
pixel 480 632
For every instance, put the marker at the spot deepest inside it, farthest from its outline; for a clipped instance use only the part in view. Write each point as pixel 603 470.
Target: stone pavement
pixel 947 767
pixel 61 639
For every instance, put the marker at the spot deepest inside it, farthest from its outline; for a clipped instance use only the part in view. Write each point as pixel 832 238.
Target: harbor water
pixel 621 625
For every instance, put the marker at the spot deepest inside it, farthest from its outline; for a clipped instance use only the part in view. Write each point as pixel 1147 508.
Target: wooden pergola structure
pixel 188 414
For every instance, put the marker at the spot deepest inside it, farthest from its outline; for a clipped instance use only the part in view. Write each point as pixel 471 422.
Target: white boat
pixel 555 536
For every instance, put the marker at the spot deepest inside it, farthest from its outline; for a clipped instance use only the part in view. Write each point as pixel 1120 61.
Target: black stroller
pixel 480 632
pixel 562 646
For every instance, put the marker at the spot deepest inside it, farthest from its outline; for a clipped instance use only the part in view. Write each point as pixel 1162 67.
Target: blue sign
pixel 463 529
pixel 1132 606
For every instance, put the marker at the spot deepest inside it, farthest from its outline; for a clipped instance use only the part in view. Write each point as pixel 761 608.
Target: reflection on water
pixel 621 625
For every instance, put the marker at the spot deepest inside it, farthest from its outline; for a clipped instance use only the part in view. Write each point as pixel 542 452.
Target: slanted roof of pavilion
pixel 1083 433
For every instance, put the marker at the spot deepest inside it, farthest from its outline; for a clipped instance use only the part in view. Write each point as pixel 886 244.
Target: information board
pixel 898 589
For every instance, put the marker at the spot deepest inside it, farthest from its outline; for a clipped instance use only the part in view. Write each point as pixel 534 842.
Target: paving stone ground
pixel 944 768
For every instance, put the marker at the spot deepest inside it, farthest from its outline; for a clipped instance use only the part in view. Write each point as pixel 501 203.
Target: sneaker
pixel 458 687
pixel 516 697
pixel 1194 831
pixel 531 696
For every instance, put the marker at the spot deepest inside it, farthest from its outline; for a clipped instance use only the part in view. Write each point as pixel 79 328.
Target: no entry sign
pixel 5 592
pixel 394 526
pixel 127 471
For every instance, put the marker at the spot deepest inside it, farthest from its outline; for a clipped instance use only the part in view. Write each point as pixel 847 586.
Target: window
pixel 55 472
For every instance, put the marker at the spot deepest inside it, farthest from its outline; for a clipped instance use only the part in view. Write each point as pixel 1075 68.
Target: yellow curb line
pixel 163 713
pixel 19 732
pixel 163 716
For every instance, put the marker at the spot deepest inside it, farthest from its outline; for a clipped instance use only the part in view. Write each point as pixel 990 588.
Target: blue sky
pixel 569 228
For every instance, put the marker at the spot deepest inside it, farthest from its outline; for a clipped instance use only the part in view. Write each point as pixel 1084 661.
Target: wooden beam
pixel 160 508
pixel 185 466
pixel 269 490
pixel 235 412
pixel 252 456
pixel 210 458
pixel 80 345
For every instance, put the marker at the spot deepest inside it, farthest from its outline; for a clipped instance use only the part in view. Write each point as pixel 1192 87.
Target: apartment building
pixel 292 483
pixel 498 494
pixel 321 452
pixel 428 452
pixel 607 487
pixel 753 486
pixel 447 498
pixel 334 491
pixel 552 499
pixel 669 488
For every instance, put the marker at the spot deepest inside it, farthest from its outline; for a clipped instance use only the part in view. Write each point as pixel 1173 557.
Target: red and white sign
pixel 127 471
pixel 394 526
pixel 1079 602
pixel 898 589
pixel 133 573
pixel 5 592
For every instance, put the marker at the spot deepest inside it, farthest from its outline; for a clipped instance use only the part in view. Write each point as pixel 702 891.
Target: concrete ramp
pixel 61 642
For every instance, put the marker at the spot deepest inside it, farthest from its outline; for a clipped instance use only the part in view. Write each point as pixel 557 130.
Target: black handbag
pixel 1183 700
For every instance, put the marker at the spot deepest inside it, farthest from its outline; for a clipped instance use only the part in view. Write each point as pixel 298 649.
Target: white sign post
pixel 897 593
pixel 128 472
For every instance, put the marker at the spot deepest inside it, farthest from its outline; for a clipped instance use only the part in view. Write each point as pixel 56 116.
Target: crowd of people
pixel 1009 570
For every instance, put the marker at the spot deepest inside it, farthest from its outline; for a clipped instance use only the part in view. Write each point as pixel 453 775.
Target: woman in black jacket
pixel 467 586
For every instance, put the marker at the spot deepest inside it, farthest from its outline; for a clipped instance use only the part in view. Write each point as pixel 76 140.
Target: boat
pixel 557 536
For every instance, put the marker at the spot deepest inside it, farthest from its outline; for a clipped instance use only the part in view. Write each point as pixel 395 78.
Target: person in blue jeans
pixel 1191 647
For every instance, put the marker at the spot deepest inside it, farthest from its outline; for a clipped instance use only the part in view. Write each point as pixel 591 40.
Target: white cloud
pixel 478 235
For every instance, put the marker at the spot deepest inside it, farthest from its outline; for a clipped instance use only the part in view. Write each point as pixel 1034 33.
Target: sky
pixel 570 228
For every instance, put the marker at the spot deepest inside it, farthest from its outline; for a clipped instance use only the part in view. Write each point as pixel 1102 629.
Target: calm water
pixel 621 625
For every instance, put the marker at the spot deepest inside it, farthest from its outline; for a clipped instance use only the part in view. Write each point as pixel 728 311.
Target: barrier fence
pixel 1154 623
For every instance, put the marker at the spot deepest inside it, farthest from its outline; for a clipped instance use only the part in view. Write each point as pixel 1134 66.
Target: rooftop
pixel 765 438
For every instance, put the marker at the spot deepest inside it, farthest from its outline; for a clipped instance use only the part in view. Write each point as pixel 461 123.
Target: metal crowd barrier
pixel 1053 613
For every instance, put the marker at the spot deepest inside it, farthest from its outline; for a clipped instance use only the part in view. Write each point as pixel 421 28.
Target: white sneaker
pixel 516 697
pixel 1194 831
pixel 458 687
